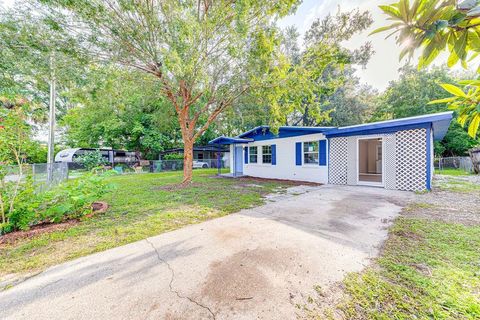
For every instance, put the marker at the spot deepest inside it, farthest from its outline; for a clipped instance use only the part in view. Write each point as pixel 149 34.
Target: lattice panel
pixel 338 160
pixel 390 161
pixel 411 160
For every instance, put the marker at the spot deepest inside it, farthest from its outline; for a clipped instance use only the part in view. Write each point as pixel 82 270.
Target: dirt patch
pixel 284 181
pixel 246 277
pixel 446 206
pixel 43 228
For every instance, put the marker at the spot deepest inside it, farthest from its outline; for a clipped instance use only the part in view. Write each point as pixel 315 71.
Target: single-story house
pixel 394 154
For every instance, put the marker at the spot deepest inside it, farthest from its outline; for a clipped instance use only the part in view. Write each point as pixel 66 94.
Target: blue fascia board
pixel 378 130
pixel 438 120
pixel 229 140
pixel 263 132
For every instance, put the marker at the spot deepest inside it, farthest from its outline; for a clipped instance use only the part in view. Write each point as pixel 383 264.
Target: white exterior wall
pixel 285 156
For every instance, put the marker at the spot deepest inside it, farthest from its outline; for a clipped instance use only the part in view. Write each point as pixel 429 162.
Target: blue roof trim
pixel 229 140
pixel 439 121
pixel 263 132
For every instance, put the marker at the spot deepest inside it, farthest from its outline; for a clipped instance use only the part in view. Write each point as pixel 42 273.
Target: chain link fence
pixel 460 163
pixel 43 175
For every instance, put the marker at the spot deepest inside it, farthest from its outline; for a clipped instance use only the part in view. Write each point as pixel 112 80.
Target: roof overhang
pixel 229 140
pixel 439 122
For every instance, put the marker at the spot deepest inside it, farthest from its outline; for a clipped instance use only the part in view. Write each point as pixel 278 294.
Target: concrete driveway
pixel 258 263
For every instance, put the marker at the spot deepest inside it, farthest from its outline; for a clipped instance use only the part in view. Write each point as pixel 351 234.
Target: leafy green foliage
pixel 301 83
pixel 120 109
pixel 68 200
pixel 436 26
pixel 467 103
pixel 91 160
pixel 173 156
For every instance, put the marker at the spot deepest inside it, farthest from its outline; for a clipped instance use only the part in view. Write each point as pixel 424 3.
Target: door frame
pixel 235 167
pixel 368 183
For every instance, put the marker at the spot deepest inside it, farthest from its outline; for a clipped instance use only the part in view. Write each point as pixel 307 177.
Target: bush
pixel 173 156
pixel 91 160
pixel 68 200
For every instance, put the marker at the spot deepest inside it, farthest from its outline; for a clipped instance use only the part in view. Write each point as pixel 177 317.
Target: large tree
pixel 204 53
pixel 324 67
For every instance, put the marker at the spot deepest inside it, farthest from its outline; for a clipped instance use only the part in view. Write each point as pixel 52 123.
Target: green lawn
pixel 452 172
pixel 142 205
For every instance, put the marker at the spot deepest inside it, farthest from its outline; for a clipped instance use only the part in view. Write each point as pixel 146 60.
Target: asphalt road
pixel 259 263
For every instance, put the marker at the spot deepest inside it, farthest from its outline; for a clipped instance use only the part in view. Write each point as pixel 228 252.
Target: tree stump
pixel 475 156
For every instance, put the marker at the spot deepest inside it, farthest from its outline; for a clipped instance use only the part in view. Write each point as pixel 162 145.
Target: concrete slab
pixel 258 263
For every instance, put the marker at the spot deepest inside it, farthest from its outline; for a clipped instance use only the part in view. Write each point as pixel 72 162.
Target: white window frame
pixel 250 154
pixel 266 154
pixel 303 153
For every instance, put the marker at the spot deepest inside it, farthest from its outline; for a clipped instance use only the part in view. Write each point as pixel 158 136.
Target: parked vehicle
pixel 111 155
pixel 200 164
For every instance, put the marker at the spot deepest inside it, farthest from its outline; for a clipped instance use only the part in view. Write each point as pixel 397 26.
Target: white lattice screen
pixel 337 173
pixel 411 160
pixel 390 161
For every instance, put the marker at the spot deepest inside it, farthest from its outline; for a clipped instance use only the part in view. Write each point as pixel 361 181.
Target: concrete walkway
pixel 258 263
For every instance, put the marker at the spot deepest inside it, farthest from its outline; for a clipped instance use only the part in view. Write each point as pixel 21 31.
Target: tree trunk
pixel 187 162
pixel 475 156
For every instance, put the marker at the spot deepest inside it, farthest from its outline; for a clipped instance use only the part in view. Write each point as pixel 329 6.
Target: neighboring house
pixel 394 154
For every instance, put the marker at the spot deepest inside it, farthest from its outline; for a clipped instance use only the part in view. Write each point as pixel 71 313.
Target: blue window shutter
pixel 322 152
pixel 274 154
pixel 298 153
pixel 246 155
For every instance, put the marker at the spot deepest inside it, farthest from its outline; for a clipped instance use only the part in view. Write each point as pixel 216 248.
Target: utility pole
pixel 51 122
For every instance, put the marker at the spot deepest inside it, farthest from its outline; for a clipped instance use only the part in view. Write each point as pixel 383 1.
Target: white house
pixel 394 154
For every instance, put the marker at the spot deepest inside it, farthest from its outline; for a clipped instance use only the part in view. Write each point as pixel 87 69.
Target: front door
pixel 238 160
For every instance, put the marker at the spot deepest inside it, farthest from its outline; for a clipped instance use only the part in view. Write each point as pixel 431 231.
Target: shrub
pixel 173 156
pixel 68 200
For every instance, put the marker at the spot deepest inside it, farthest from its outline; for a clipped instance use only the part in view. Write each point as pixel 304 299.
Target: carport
pixel 237 169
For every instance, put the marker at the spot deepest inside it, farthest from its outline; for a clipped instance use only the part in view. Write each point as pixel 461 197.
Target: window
pixel 310 152
pixel 253 154
pixel 266 154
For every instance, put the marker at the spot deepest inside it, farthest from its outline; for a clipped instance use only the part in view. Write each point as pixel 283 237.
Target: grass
pixel 142 205
pixel 453 172
pixel 429 270
pixel 459 186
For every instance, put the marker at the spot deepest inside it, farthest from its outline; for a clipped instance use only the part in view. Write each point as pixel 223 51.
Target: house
pixel 394 154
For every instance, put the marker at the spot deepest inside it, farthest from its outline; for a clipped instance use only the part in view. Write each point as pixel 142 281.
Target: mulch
pixel 98 207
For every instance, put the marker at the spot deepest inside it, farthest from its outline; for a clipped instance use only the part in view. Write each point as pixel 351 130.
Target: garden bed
pixel 98 207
